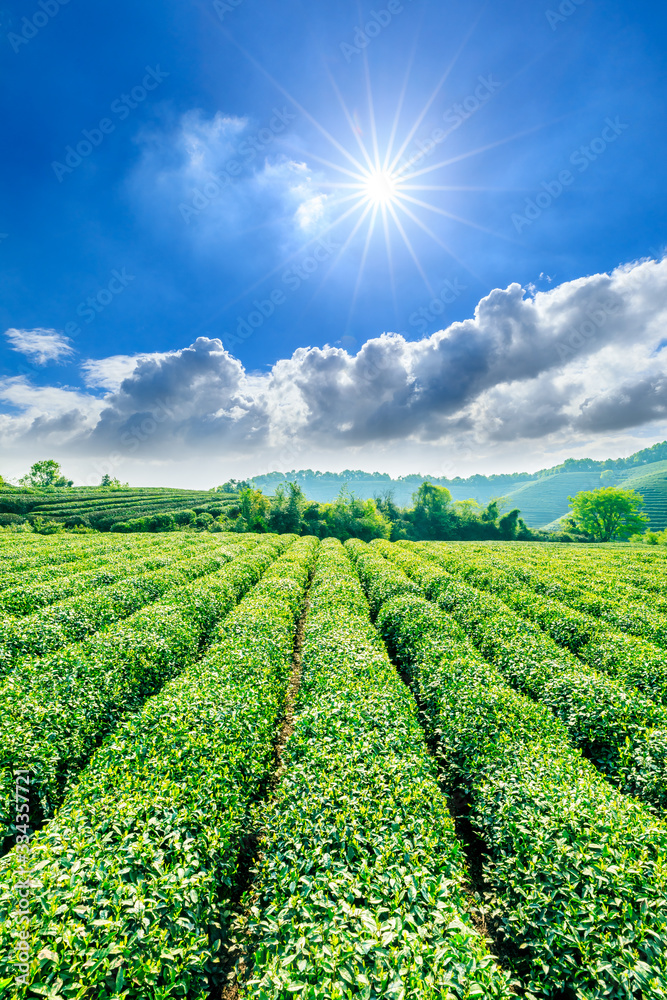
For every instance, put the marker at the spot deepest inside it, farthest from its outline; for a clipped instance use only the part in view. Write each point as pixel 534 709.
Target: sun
pixel 381 187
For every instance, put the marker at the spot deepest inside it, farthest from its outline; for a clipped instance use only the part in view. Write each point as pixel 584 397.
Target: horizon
pixel 401 236
pixel 423 477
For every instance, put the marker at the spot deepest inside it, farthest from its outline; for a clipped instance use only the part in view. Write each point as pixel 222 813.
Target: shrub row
pixel 74 554
pixel 630 658
pixel 577 872
pixel 106 569
pixel 602 595
pixel 360 885
pixel 72 619
pixel 131 881
pixel 623 732
pixel 54 711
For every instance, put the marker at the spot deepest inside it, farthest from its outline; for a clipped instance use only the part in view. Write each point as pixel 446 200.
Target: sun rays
pixel 381 179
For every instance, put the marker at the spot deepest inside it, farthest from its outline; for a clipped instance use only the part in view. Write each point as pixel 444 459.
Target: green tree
pixel 467 511
pixel 46 473
pixel 490 515
pixel 288 508
pixel 609 512
pixel 433 516
pixel 232 486
pixel 350 517
pixel 109 483
pixel 508 525
pixel 255 511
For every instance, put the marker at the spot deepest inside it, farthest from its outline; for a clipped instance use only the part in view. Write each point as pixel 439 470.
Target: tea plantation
pixel 262 766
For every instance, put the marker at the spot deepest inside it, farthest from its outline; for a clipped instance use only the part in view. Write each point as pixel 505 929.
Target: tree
pixel 350 517
pixel 609 512
pixel 287 508
pixel 232 486
pixel 109 483
pixel 508 525
pixel 255 510
pixel 433 516
pixel 46 473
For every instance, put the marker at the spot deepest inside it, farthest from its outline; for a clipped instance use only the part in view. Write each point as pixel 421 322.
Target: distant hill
pixel 100 508
pixel 541 496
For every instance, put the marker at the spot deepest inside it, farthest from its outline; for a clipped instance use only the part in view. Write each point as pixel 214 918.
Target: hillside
pixel 542 497
pixel 650 482
pixel 100 508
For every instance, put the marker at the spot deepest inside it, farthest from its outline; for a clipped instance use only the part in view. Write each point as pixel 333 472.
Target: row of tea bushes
pixel 360 883
pixel 576 871
pixel 622 731
pixel 54 711
pixel 630 658
pixel 71 620
pixel 132 881
pixel 104 568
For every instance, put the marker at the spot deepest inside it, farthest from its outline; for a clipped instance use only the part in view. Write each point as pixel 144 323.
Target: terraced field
pixel 101 509
pixel 268 767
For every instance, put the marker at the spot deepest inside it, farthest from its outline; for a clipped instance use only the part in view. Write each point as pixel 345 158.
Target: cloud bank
pixel 535 372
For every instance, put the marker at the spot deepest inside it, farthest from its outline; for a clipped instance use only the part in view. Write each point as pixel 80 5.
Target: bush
pixel 184 517
pixel 6 519
pixel 44 527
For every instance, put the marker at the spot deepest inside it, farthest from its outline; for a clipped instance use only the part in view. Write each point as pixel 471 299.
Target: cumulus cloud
pixel 631 404
pixel 40 345
pixel 109 373
pixel 555 368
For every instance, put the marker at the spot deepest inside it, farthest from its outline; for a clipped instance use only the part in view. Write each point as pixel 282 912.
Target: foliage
pixel 607 513
pixel 567 855
pixel 56 709
pixel 233 486
pixel 6 519
pixel 361 887
pixel 44 527
pixel 615 726
pixel 169 857
pixel 45 474
pixel 108 482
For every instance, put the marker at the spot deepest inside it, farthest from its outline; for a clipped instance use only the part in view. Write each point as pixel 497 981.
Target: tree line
pixel 601 515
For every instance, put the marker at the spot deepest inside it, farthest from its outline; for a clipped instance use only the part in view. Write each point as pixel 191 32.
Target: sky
pixel 238 236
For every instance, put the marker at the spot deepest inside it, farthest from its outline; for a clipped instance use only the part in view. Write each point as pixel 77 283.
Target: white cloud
pixel 108 373
pixel 224 172
pixel 526 380
pixel 40 345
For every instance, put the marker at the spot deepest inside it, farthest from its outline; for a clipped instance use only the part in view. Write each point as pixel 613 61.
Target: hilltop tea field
pixel 264 766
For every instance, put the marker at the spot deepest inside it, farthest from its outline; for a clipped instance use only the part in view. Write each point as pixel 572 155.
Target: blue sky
pixel 174 175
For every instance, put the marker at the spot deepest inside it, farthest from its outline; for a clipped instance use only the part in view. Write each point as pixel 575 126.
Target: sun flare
pixel 381 187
